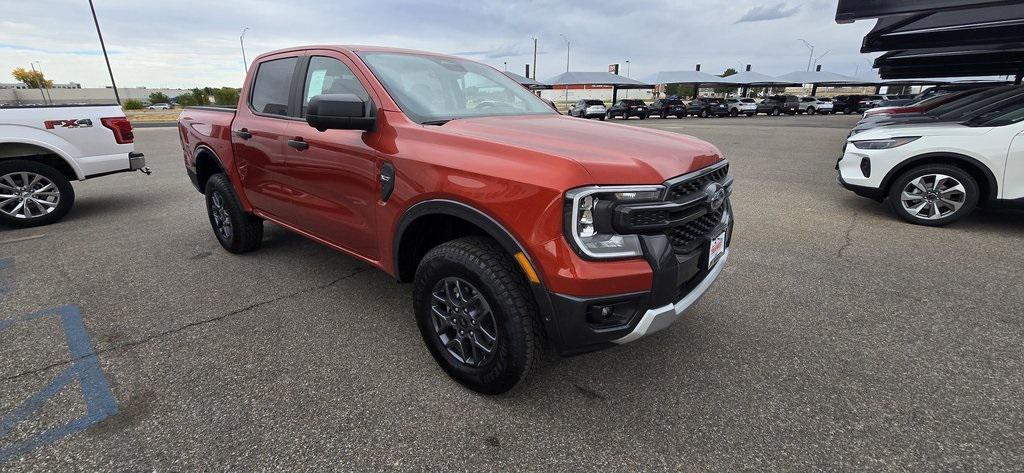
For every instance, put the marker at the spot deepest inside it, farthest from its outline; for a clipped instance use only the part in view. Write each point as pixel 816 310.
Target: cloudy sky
pixel 186 43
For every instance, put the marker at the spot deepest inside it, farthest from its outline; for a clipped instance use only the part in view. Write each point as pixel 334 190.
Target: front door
pixel 336 171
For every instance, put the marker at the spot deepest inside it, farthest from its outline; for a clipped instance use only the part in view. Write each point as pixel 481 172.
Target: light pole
pixel 42 84
pixel 241 41
pixel 567 45
pixel 534 58
pixel 811 56
pixel 627 76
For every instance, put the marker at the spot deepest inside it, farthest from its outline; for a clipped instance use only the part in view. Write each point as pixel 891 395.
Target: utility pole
pixel 241 41
pixel 811 56
pixel 41 85
pixel 627 76
pixel 534 59
pixel 106 58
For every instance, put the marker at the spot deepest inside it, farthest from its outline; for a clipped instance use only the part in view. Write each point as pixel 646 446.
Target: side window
pixel 272 86
pixel 327 75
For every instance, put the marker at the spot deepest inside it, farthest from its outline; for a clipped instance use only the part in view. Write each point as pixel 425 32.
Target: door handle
pixel 243 134
pixel 298 144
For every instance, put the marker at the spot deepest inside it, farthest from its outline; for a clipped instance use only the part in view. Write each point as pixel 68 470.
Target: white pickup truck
pixel 44 148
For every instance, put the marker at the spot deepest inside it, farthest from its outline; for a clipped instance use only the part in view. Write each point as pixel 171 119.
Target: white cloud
pixel 189 43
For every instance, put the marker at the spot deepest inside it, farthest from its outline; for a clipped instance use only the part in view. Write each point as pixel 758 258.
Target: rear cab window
pixel 272 86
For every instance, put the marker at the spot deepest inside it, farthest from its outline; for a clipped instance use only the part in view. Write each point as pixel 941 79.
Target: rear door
pixel 336 171
pixel 260 131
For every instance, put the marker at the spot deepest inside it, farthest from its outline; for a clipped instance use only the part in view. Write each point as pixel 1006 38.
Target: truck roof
pixel 350 48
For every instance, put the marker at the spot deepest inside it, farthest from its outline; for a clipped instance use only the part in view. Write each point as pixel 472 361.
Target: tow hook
pixel 145 170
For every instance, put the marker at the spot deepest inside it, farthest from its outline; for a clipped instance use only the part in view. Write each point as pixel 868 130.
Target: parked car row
pixel 935 161
pixel 702 107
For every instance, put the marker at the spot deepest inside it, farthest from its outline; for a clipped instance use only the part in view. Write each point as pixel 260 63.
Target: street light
pixel 811 56
pixel 822 55
pixel 241 41
pixel 627 76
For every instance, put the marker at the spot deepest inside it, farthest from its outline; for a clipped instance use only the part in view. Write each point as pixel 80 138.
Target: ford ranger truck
pixel 518 227
pixel 44 148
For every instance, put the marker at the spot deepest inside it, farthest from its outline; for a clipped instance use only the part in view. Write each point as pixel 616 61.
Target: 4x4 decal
pixel 72 123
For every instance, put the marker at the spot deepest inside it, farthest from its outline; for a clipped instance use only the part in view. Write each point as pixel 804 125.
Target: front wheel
pixel 934 195
pixel 734 113
pixel 704 113
pixel 751 114
pixel 33 194
pixel 601 118
pixel 476 315
pixel 810 110
pixel 236 230
pixel 776 112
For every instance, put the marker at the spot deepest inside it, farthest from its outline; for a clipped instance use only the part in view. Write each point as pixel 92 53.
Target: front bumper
pixel 661 317
pixel 678 281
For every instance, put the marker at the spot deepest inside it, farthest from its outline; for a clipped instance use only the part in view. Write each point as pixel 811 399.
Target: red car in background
pixel 923 106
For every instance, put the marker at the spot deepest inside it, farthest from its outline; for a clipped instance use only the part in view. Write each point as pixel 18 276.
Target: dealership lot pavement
pixel 837 337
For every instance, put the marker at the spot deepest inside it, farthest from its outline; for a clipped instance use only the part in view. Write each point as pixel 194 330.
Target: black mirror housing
pixel 340 112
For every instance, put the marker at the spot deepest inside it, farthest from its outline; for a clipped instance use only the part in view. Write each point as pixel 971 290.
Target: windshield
pixel 747 100
pixel 964 105
pixel 437 89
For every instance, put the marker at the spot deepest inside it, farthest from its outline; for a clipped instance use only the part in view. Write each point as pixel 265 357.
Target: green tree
pixel 132 104
pixel 726 90
pixel 33 79
pixel 200 96
pixel 159 97
pixel 225 96
pixel 679 90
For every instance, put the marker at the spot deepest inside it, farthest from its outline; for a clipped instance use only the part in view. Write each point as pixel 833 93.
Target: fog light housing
pixel 865 167
pixel 611 314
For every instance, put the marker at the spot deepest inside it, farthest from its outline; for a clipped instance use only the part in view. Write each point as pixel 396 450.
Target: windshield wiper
pixel 438 122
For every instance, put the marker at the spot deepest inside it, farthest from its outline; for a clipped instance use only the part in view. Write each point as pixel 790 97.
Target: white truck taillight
pixel 121 127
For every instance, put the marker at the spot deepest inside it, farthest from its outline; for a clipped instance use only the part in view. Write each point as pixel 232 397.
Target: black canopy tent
pixel 694 78
pixel 616 81
pixel 526 81
pixel 942 38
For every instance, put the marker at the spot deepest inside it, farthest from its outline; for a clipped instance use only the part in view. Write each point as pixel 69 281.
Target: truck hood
pixel 611 153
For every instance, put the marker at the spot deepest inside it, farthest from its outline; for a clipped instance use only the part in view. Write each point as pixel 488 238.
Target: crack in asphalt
pixel 848 234
pixel 135 343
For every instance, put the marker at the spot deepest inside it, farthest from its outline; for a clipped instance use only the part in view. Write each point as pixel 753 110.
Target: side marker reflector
pixel 527 268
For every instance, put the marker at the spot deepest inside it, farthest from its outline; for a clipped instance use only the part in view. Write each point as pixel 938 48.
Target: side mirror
pixel 340 112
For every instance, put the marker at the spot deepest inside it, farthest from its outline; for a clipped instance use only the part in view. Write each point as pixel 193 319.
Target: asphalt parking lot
pixel 837 338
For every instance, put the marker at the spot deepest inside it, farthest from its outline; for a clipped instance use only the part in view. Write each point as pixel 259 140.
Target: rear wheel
pixel 704 113
pixel 236 230
pixel 476 315
pixel 750 114
pixel 33 194
pixel 934 195
pixel 734 112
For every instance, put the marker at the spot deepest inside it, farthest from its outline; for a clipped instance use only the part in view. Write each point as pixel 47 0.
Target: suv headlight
pixel 884 143
pixel 588 213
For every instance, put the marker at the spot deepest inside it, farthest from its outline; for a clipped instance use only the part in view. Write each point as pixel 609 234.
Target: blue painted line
pixel 85 368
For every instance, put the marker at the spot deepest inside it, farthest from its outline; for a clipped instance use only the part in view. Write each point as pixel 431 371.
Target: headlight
pixel 884 143
pixel 589 219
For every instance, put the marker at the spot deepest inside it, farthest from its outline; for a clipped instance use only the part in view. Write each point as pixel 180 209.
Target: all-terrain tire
pixel 493 275
pixel 237 231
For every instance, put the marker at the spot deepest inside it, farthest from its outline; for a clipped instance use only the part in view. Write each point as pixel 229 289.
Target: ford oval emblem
pixel 716 195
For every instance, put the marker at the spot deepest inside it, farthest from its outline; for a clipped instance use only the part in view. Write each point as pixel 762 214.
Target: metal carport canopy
pixel 526 81
pixel 952 61
pixel 852 10
pixel 751 78
pixel 996 24
pixel 690 77
pixel 598 78
pixel 822 78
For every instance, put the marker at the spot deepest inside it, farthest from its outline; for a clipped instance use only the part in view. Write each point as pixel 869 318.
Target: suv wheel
pixel 237 231
pixel 734 112
pixel 810 110
pixel 934 195
pixel 476 315
pixel 703 113
pixel 33 194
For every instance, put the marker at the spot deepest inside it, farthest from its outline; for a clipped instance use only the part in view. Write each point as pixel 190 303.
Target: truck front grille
pixel 688 237
pixel 686 188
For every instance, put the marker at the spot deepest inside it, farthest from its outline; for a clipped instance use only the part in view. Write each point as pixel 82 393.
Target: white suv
pixel 812 105
pixel 936 173
pixel 746 106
